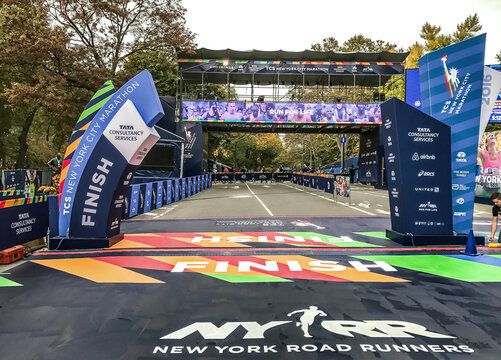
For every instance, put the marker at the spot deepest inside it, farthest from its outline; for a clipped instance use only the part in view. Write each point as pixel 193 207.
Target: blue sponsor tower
pixel 431 154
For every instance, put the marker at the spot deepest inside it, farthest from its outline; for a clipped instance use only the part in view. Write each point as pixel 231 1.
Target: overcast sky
pixel 294 25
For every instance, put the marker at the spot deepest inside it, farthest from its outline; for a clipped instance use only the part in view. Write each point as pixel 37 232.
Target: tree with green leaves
pixel 54 54
pixel 357 42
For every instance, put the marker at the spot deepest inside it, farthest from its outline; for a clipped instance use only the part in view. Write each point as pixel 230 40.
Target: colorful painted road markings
pixel 342 241
pixel 233 269
pixel 236 240
pixel 4 282
pixel 97 271
pixel 479 269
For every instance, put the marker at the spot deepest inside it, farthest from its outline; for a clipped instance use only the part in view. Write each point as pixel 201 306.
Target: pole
pixel 181 172
pixel 342 156
pixel 354 87
pixel 252 88
pixel 202 85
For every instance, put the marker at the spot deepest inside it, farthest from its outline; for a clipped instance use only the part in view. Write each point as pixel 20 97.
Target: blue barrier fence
pixel 145 197
pixel 252 176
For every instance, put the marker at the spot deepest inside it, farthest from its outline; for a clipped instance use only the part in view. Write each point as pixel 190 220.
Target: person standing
pixel 352 174
pixel 496 199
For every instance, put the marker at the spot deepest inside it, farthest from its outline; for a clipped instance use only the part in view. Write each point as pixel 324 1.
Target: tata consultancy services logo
pixel 461 157
pixel 451 77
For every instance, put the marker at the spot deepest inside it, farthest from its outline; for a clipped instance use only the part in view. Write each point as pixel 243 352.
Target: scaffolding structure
pixel 283 76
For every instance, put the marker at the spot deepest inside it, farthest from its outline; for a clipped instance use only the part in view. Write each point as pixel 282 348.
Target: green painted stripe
pixel 6 282
pixel 245 278
pixel 442 266
pixel 93 109
pixel 374 234
pixel 337 241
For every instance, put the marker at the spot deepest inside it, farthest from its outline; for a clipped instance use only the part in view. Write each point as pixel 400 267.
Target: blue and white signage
pixel 451 91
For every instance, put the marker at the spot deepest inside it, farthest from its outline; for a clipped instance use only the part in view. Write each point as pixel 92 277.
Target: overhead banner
pixel 287 113
pixel 418 168
pixel 451 91
pixel 114 144
pixel 290 67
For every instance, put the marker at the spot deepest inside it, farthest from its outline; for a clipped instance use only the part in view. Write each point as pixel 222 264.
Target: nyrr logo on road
pixel 297 326
pixel 305 319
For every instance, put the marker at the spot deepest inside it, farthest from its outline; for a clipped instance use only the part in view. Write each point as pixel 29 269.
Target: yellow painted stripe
pixel 142 234
pixel 125 244
pixel 349 273
pixel 97 271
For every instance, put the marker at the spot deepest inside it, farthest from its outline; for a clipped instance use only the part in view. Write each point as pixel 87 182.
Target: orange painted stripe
pixel 349 273
pixel 126 244
pixel 144 234
pixel 97 271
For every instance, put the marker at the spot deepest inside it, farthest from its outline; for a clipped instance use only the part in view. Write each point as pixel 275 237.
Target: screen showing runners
pixel 266 112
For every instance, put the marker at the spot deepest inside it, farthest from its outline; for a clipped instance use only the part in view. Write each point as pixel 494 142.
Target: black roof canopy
pixel 306 67
pixel 305 55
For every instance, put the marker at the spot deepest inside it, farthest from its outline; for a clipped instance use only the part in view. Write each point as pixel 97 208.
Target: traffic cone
pixel 471 247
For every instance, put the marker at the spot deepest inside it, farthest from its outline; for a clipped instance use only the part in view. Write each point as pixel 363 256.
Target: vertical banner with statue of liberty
pixel 488 178
pixel 451 81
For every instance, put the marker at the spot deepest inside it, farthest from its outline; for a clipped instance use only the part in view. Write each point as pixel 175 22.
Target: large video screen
pixel 160 157
pixel 293 113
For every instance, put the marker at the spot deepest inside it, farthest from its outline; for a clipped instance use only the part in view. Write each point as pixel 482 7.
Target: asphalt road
pixel 279 199
pixel 256 272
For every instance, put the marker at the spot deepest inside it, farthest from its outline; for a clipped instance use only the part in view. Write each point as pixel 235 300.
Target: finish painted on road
pixel 234 269
pixel 236 240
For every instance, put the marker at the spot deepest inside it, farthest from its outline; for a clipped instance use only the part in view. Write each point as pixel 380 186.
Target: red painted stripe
pixel 164 241
pixel 271 237
pixel 136 262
